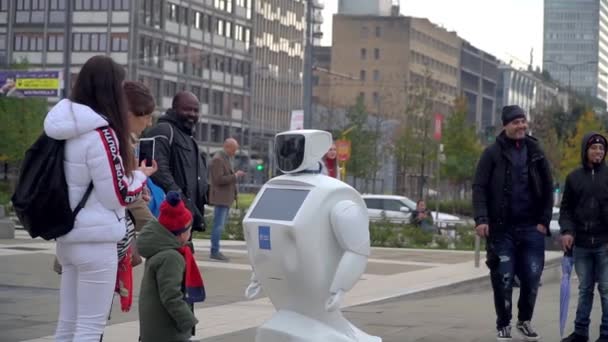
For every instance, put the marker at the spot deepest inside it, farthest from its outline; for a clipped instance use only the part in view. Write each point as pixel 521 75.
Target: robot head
pixel 299 150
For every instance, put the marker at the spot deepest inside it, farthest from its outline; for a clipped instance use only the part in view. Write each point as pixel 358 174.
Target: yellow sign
pixel 37 83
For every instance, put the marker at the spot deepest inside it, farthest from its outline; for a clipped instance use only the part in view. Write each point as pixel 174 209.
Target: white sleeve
pixel 113 187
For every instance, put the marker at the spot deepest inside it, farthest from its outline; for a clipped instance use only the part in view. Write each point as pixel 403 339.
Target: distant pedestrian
pixel 331 165
pixel 172 281
pixel 422 217
pixel 181 167
pixel 583 221
pixel 223 192
pixel 512 203
pixel 94 123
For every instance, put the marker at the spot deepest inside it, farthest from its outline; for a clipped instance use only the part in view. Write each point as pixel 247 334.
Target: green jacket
pixel 164 315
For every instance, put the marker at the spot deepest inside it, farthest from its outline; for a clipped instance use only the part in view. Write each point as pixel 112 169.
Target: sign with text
pixel 18 83
pixel 438 126
pixel 343 149
pixel 297 120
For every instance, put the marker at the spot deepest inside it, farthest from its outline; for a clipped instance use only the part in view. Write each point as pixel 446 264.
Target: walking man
pixel 223 192
pixel 181 167
pixel 583 219
pixel 512 203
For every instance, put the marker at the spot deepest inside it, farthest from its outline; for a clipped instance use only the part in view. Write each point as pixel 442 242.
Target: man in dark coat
pixel 583 221
pixel 181 167
pixel 512 203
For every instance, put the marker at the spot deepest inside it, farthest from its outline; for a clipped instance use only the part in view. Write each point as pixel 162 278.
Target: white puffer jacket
pixel 92 154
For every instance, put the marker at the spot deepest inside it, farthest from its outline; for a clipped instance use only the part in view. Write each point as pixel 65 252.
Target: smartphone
pixel 146 150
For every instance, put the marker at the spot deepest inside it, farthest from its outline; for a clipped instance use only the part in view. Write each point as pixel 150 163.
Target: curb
pixel 551 272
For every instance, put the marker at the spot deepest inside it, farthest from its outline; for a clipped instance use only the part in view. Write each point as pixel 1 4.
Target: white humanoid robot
pixel 308 241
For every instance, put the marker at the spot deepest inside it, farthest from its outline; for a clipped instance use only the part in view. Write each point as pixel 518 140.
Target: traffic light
pixel 260 167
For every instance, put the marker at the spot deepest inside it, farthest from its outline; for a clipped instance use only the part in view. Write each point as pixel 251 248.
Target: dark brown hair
pixel 99 86
pixel 139 98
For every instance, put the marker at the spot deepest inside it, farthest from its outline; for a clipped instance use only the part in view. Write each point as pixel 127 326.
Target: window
pixel 170 89
pixel 377 53
pixel 91 5
pixel 55 43
pixel 89 41
pixel 393 205
pixel 364 32
pixel 57 11
pixel 26 42
pixel 2 42
pixel 363 54
pixel 3 5
pixel 171 11
pixel 362 75
pixel 376 75
pixel 198 20
pixel 376 99
pixel 228 29
pixel 220 27
pixel 120 5
pixel 378 31
pixel 218 103
pixel 229 6
pixel 362 96
pixel 373 203
pixel 120 43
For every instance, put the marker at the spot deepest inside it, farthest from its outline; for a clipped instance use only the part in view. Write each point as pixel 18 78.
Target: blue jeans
pixel 591 265
pixel 521 252
pixel 220 215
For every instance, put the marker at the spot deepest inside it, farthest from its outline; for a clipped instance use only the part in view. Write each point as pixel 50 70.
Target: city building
pixel 478 78
pixel 524 88
pixel 277 74
pixel 575 44
pixel 200 46
pixel 365 7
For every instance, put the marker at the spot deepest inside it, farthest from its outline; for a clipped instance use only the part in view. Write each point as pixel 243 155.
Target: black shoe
pixel 504 334
pixel 219 257
pixel 574 337
pixel 526 331
pixel 602 338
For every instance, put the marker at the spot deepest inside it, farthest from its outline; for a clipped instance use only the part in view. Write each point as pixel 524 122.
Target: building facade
pixel 200 46
pixel 478 78
pixel 575 44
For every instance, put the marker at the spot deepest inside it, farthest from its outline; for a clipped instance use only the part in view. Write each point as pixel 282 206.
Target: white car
pixel 398 209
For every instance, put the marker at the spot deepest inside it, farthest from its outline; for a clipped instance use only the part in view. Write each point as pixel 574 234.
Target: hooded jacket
pixel 584 207
pixel 164 315
pixel 92 155
pixel 180 165
pixel 492 186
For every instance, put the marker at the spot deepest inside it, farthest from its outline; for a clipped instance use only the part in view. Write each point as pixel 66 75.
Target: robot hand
pixel 333 302
pixel 253 289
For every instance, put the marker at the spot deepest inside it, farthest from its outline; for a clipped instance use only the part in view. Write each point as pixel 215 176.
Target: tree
pixel 461 146
pixel 588 122
pixel 363 142
pixel 543 128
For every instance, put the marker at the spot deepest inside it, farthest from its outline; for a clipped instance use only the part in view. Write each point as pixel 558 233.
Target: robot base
pixel 289 326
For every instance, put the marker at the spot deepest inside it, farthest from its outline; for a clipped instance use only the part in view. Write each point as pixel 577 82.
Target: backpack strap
pixel 84 199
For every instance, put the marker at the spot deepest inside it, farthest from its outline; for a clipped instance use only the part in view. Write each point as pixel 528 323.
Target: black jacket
pixel 492 185
pixel 180 164
pixel 584 208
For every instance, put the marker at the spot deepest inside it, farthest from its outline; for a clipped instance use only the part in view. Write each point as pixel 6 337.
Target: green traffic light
pixel 260 167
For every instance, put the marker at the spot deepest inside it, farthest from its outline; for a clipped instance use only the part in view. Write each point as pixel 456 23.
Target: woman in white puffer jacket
pixel 94 124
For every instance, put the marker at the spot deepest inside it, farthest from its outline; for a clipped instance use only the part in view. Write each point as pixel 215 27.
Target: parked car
pixel 398 209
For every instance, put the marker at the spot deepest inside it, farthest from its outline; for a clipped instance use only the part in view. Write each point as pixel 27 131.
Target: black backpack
pixel 41 199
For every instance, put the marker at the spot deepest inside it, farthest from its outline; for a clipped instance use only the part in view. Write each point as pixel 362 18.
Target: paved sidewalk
pixel 30 288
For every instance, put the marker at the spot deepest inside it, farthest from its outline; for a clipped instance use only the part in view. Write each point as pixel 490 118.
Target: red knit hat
pixel 173 214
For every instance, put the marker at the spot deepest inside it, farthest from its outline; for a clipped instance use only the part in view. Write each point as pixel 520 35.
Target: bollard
pixel 477 250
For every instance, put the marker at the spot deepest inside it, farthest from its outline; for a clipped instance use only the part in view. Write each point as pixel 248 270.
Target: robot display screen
pixel 290 151
pixel 279 204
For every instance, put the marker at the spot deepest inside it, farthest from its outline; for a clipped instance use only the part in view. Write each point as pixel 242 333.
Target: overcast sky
pixel 508 29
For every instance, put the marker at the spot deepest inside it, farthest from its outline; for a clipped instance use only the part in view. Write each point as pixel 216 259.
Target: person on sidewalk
pixel 223 192
pixel 583 221
pixel 181 167
pixel 172 281
pixel 422 217
pixel 94 124
pixel 512 203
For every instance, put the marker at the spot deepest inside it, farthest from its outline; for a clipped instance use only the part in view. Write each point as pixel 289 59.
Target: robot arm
pixel 254 288
pixel 350 225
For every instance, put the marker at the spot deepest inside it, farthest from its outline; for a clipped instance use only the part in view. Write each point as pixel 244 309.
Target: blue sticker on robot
pixel 264 237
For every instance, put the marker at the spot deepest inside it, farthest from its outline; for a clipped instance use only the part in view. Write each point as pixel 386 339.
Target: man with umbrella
pixel 584 229
pixel 512 203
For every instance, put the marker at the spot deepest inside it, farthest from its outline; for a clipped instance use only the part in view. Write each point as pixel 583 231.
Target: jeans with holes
pixel 519 251
pixel 591 266
pixel 220 215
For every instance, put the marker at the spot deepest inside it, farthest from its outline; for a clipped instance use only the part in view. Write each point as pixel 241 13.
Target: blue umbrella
pixel 564 291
